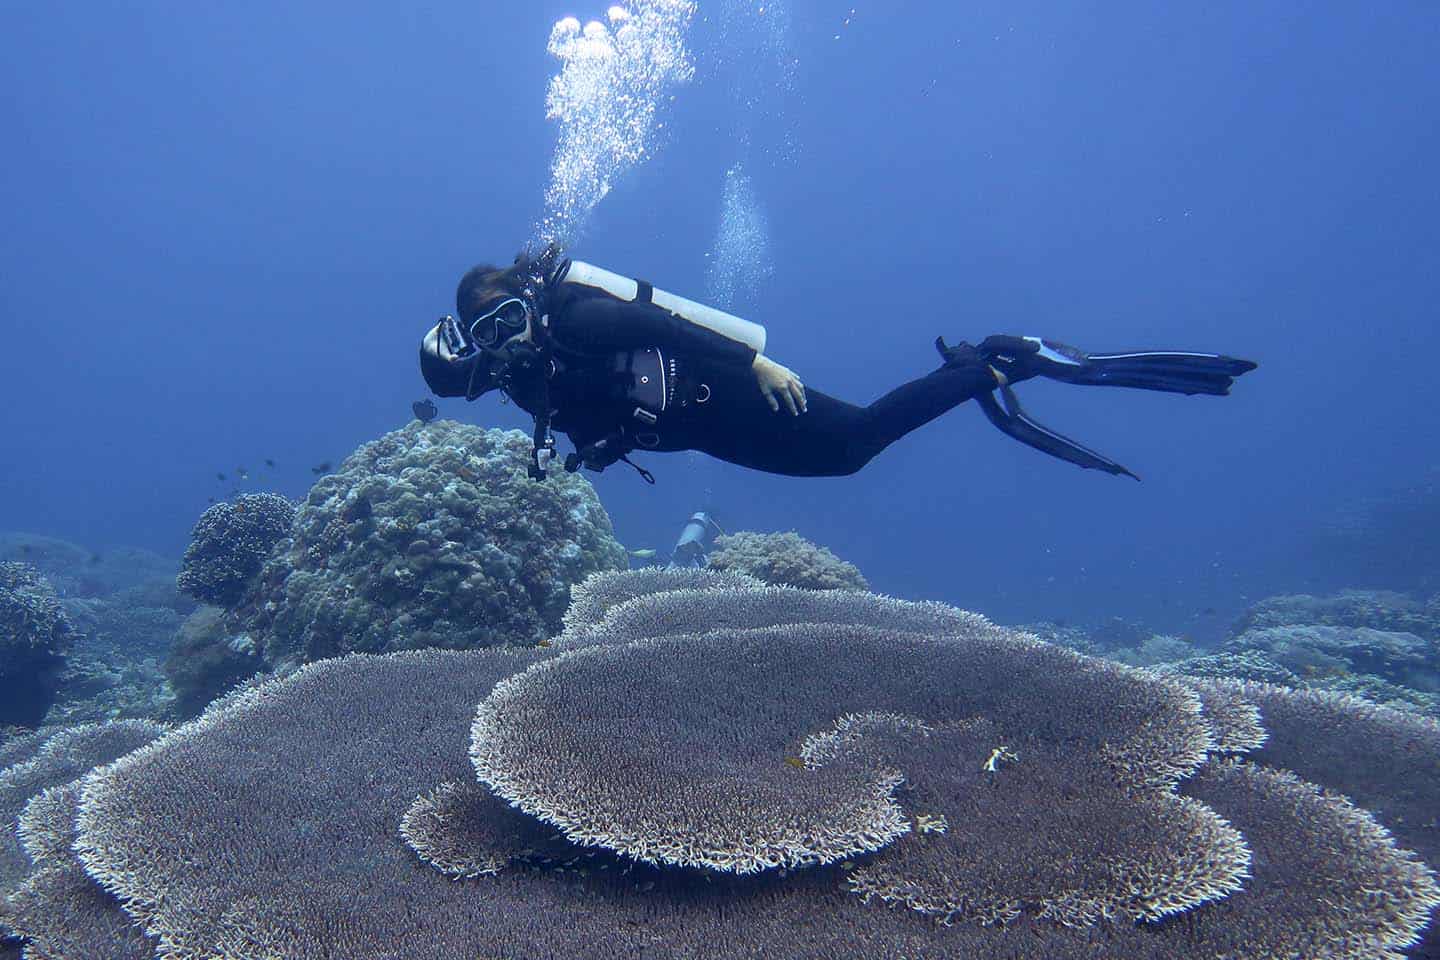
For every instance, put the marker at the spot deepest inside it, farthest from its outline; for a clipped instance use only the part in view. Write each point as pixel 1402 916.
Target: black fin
pixel 1016 423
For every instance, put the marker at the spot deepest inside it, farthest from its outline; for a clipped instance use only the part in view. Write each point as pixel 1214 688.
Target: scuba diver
pixel 620 366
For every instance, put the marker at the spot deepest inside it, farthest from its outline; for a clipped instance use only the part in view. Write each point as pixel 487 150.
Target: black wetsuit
pixel 717 407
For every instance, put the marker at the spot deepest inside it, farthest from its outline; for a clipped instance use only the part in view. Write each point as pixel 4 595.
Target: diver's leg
pixel 833 438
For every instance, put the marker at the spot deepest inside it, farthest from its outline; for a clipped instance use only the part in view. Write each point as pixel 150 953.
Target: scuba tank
pixel 638 291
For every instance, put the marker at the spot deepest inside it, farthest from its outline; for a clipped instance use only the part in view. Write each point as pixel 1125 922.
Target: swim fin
pixel 1014 421
pixel 1171 371
pixel 1021 358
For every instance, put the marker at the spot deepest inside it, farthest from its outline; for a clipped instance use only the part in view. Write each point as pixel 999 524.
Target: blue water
pixel 227 226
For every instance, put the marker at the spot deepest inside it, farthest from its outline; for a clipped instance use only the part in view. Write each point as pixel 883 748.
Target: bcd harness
pixel 645 382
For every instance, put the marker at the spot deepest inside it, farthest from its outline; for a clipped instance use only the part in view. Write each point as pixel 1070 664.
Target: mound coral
pixel 207 658
pixel 230 543
pixel 291 819
pixel 431 536
pixel 785 559
pixel 35 636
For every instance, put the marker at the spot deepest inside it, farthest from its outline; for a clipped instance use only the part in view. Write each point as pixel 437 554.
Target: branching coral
pixel 1034 786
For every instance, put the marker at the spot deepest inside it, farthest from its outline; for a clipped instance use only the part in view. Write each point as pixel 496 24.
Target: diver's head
pixel 465 357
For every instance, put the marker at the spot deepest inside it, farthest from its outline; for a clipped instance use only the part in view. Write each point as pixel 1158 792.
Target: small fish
pixel 1208 612
pixel 645 554
pixel 220 477
pixel 795 762
pixel 242 473
pixel 213 500
pixel 96 559
pixel 425 410
pixel 320 468
pixel 270 463
pixel 27 548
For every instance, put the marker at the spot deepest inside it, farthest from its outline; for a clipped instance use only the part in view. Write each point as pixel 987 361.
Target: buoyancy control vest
pixel 646 377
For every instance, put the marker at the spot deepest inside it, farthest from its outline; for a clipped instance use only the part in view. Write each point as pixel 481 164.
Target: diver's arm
pixel 598 324
pixel 779 384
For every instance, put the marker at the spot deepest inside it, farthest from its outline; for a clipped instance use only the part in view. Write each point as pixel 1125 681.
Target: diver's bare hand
pixel 779 384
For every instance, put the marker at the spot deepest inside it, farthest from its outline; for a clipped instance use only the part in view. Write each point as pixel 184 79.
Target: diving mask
pixel 505 320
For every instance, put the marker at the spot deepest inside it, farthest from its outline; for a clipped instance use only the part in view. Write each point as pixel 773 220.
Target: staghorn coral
pixel 229 544
pixel 312 774
pixel 749 605
pixel 58 910
pixel 465 831
pixel 1234 721
pixel 594 596
pixel 1249 665
pixel 66 753
pixel 784 559
pixel 431 536
pixel 35 636
pixel 1157 854
pixel 1386 761
pixel 1329 881
pixel 711 719
pixel 243 835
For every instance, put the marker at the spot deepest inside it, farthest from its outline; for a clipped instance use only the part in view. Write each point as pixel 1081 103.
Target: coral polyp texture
pixel 785 559
pixel 1157 853
pixel 208 847
pixel 64 754
pixel 230 542
pixel 702 725
pixel 35 636
pixel 431 536
pixel 1015 800
pixel 1386 760
pixel 58 909
pixel 750 604
pixel 597 594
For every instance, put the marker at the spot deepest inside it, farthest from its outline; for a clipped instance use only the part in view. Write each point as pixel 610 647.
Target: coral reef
pixel 1319 650
pixel 431 536
pixel 206 659
pixel 1246 665
pixel 1153 650
pixel 35 636
pixel 230 543
pixel 62 755
pixel 1036 786
pixel 784 559
pixel 76 571
pixel 1376 609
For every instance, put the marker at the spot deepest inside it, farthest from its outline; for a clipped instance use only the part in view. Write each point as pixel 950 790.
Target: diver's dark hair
pixel 484 284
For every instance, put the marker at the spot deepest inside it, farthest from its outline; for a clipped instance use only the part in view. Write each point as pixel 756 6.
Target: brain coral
pixel 35 635
pixel 785 559
pixel 431 536
pixel 230 543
